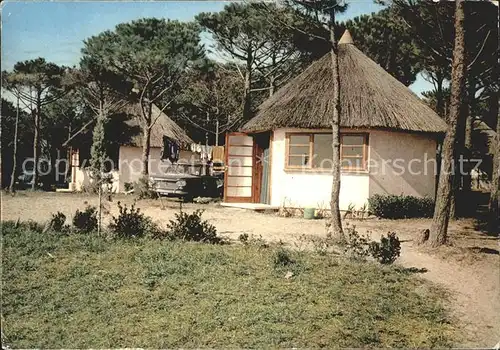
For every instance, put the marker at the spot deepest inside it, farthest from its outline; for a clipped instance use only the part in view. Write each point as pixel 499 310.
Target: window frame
pixel 309 167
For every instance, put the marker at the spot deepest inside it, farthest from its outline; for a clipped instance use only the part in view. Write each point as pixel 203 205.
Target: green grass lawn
pixel 80 292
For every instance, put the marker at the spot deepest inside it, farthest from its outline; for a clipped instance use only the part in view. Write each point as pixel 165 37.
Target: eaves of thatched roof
pixel 164 126
pixel 370 98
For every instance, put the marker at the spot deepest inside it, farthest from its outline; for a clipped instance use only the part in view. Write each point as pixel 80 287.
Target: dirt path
pixel 474 293
pixel 470 269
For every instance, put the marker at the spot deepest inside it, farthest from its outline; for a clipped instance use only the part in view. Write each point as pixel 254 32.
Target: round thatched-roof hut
pixel 388 139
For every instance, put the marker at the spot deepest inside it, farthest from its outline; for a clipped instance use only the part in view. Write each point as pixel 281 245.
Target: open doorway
pixel 262 172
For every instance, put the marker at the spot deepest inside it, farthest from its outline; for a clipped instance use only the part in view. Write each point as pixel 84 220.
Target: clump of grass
pixel 282 258
pixel 84 291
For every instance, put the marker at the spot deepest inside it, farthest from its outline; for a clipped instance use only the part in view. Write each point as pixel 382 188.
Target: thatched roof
pixel 370 98
pixel 164 126
pixel 483 134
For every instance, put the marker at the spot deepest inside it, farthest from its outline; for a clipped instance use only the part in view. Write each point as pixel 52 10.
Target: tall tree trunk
pixel 14 152
pixel 146 146
pixel 336 224
pixel 146 141
pixel 439 228
pixel 439 94
pixel 494 210
pixel 459 160
pixel 217 130
pixel 247 99
pixel 36 143
pixel 469 126
pixel 206 132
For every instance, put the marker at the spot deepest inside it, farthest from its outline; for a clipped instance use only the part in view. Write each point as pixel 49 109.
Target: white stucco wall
pixel 409 161
pixel 312 189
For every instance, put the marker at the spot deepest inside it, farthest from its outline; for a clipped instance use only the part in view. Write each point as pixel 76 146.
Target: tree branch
pixel 480 50
pixel 78 132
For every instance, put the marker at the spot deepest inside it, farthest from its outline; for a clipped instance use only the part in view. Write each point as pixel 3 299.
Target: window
pixel 299 151
pixel 353 151
pixel 314 151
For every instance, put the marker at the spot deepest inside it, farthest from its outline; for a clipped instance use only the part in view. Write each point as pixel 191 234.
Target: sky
pixel 55 30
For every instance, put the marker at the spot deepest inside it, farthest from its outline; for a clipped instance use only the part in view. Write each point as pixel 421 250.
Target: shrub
pixel 400 207
pixel 387 250
pixel 190 227
pixel 356 245
pixel 359 247
pixel 57 221
pixel 86 221
pixel 130 222
pixel 33 226
pixel 282 258
pixel 145 189
pixel 243 238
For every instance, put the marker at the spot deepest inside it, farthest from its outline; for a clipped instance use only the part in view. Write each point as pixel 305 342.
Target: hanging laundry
pixel 174 152
pixel 170 150
pixel 209 152
pixel 203 154
pixel 206 153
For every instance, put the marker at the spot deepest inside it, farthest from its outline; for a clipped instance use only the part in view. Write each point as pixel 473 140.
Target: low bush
pixel 359 247
pixel 190 227
pixel 57 222
pixel 400 207
pixel 130 222
pixel 243 238
pixel 252 240
pixel 282 258
pixel 32 226
pixel 145 189
pixel 356 245
pixel 387 250
pixel 86 221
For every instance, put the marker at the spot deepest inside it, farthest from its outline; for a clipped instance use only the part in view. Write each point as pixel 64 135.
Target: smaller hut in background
pixel 165 133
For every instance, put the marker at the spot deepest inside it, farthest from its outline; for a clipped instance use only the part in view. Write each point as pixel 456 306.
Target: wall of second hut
pixel 391 150
pixel 130 165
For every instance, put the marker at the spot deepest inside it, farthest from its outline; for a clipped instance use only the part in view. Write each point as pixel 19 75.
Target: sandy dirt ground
pixel 469 268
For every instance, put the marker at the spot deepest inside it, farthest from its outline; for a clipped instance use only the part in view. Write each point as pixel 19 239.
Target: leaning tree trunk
pixel 439 227
pixel 336 223
pixel 494 210
pixel 14 152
